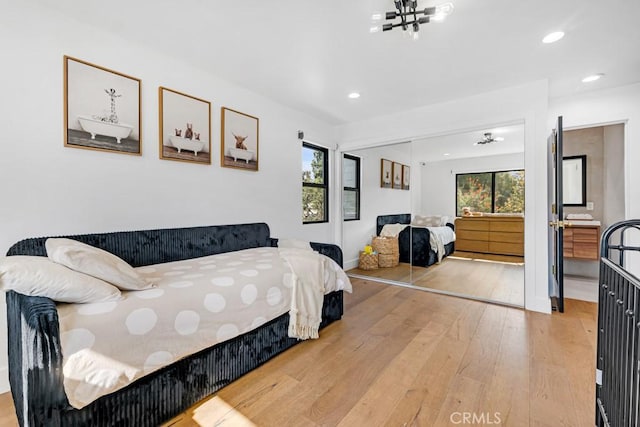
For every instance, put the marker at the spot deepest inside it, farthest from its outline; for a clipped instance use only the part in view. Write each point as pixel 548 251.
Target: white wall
pixel 616 105
pixel 526 103
pixel 374 200
pixel 439 179
pixel 48 189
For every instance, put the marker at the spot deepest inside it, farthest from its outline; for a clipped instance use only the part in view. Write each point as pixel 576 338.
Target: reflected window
pixel 315 184
pixel 490 192
pixel 351 187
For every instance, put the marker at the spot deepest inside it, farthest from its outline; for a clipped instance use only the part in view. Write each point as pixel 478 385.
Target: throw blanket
pixel 197 303
pixel 307 284
pixel 392 230
pixel 438 238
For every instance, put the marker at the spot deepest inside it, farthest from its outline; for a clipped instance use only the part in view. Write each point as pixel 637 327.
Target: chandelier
pixel 410 16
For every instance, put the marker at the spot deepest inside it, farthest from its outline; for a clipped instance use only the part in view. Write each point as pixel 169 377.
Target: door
pixel 556 270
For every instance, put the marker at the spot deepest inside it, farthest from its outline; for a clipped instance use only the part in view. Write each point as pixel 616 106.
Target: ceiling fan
pixel 488 139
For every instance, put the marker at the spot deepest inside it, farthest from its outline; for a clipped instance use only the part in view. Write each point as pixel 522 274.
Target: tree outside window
pixel 315 189
pixel 489 192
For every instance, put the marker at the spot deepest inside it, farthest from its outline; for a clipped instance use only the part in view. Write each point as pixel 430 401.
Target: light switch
pixel 589 206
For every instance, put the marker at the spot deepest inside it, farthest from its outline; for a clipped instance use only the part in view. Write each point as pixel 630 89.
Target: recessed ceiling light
pixel 592 78
pixel 354 95
pixel 498 138
pixel 553 37
pixel 446 154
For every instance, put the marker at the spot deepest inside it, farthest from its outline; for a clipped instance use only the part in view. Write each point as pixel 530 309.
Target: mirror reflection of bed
pixel 481 263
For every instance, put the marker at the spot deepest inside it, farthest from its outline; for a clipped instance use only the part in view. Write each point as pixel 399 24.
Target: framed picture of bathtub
pixel 101 108
pixel 239 140
pixel 385 173
pixel 185 127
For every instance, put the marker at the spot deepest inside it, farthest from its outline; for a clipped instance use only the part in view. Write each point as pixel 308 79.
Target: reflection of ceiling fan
pixel 488 139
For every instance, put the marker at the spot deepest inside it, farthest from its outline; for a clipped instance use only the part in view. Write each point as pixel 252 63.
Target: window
pixel 315 187
pixel 351 190
pixel 501 192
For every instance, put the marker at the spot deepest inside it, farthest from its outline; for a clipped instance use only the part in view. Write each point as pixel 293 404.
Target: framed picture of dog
pixel 406 177
pixel 101 108
pixel 239 140
pixel 185 127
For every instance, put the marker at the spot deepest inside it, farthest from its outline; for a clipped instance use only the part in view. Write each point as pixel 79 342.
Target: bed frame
pixel 35 355
pixel 618 352
pixel 416 238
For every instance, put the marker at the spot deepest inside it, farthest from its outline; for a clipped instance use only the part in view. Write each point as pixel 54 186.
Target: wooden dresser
pixel 500 234
pixel 581 242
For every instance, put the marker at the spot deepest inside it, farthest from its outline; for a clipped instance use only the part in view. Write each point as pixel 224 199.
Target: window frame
pixel 493 186
pixel 355 189
pixel 325 186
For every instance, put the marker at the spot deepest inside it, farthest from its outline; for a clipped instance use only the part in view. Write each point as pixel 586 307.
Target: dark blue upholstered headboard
pixel 382 220
pixel 146 247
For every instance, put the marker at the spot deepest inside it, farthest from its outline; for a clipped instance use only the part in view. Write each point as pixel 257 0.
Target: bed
pixel 414 242
pixel 35 351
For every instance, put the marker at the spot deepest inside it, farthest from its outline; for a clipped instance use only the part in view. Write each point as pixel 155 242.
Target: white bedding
pixel 196 304
pixel 438 236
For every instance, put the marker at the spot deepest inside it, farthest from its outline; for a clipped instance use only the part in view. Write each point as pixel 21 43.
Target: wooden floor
pixel 488 279
pixel 402 357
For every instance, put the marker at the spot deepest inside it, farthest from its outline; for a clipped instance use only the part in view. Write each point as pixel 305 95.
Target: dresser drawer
pixel 507 226
pixel 472 224
pixel 506 248
pixel 585 250
pixel 499 236
pixel 472 235
pixel 472 245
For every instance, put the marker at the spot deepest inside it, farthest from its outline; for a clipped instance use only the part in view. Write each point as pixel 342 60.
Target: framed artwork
pixel 397 176
pixel 101 108
pixel 385 173
pixel 239 140
pixel 406 177
pixel 185 127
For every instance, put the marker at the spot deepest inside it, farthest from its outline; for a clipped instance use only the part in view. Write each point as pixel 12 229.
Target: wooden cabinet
pixel 502 235
pixel 581 242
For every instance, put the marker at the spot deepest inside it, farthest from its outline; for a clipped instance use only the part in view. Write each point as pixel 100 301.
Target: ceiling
pixel 310 54
pixel 461 145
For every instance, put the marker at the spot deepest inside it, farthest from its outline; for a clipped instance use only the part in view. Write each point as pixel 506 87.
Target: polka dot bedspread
pixel 196 303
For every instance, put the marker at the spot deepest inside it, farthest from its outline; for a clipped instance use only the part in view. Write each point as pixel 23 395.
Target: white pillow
pixel 95 262
pixel 427 221
pixel 294 243
pixel 38 276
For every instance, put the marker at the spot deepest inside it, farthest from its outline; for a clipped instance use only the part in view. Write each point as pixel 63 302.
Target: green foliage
pixel 314 198
pixel 474 191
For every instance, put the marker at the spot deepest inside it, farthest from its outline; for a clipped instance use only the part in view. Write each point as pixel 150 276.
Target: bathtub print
pixel 102 108
pixel 185 127
pixel 239 148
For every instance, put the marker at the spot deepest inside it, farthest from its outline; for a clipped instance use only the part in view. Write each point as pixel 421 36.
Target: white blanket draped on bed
pixel 196 304
pixel 438 236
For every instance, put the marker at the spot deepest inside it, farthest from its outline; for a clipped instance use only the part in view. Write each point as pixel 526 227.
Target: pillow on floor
pixel 95 262
pixel 38 276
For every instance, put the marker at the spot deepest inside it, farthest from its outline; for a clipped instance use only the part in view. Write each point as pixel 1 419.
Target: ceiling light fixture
pixel 488 139
pixel 410 18
pixel 592 78
pixel 354 95
pixel 446 154
pixel 553 37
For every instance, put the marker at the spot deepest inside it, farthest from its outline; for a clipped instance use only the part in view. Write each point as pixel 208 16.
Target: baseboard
pixel 352 263
pixel 580 288
pixel 4 380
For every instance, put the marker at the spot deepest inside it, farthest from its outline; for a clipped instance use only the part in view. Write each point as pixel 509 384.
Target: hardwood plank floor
pixel 402 357
pixel 488 279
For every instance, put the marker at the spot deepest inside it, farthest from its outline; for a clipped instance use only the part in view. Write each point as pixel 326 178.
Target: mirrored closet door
pixel 453 205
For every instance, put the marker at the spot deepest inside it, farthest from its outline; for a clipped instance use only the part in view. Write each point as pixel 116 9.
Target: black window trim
pixel 356 188
pixel 325 168
pixel 493 185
